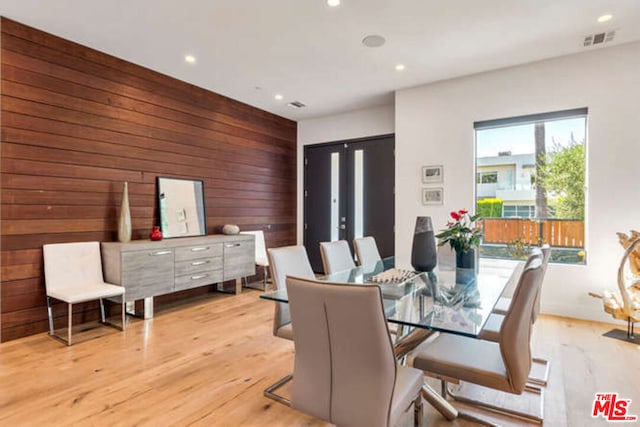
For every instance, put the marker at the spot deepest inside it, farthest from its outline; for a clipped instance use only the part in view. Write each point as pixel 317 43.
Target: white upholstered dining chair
pixel 336 256
pixel 502 366
pixel 285 261
pixel 366 250
pixel 345 368
pixel 73 274
pixel 492 328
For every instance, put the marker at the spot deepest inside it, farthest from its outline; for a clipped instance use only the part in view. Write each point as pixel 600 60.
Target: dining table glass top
pixel 463 298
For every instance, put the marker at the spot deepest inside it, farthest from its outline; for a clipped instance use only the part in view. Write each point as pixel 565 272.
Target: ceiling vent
pixel 599 38
pixel 296 104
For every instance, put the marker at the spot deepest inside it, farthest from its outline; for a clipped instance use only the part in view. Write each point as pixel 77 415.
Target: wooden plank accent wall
pixel 77 123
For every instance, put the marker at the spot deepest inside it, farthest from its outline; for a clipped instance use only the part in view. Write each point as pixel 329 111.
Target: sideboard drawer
pixel 239 259
pixel 197 265
pixel 194 280
pixel 139 290
pixel 147 266
pixel 199 251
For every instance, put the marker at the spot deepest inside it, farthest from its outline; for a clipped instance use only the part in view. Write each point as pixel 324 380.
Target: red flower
pixel 455 216
pixel 462 212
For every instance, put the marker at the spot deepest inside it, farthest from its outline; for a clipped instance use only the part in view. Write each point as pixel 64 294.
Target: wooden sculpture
pixel 626 305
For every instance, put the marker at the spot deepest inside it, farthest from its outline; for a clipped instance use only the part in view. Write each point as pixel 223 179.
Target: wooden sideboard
pixel 147 268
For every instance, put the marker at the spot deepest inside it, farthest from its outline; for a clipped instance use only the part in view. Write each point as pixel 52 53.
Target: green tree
pixel 542 209
pixel 563 178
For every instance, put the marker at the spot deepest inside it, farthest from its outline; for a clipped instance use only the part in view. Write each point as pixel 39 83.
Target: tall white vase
pixel 124 222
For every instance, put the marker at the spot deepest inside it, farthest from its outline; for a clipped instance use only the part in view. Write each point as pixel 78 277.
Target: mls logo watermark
pixel 612 408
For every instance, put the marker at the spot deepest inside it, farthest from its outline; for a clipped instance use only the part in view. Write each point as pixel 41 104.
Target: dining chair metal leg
pixel 501 409
pixel 544 378
pixel 269 391
pixel 439 402
pixel 418 411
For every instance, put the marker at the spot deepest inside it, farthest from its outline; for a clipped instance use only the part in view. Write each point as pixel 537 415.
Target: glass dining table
pixel 455 301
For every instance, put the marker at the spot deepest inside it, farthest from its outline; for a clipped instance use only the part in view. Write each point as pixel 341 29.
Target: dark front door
pixel 349 193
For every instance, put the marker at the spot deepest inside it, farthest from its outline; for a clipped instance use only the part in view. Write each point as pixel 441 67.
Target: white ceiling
pixel 312 53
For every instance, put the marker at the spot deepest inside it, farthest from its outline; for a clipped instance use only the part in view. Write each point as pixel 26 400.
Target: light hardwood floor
pixel 207 362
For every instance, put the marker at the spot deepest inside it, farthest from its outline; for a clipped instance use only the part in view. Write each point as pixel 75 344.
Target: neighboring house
pixel 508 177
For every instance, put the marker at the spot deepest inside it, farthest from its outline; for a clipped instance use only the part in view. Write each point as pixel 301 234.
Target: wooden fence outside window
pixel 555 232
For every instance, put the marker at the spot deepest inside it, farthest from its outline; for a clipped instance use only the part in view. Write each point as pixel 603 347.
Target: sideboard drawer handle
pixel 202 248
pixel 199 276
pixel 160 253
pixel 199 262
pixel 231 245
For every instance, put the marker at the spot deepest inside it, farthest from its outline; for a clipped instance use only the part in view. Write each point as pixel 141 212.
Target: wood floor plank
pixel 206 362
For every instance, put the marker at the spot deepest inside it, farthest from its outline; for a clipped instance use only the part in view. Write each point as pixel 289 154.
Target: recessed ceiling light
pixel 605 18
pixel 190 59
pixel 400 67
pixel 333 3
pixel 373 40
pixel 278 97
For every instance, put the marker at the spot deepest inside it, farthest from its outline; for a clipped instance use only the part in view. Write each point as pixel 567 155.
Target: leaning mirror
pixel 181 207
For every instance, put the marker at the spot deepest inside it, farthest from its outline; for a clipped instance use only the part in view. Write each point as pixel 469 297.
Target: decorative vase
pixel 423 252
pixel 124 221
pixel 156 234
pixel 230 229
pixel 466 259
pixel 466 267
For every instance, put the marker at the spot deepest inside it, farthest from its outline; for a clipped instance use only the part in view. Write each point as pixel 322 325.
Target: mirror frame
pixel 198 195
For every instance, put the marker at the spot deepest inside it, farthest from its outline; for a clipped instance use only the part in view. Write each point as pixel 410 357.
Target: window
pixel 518 211
pixel 487 177
pixel 537 165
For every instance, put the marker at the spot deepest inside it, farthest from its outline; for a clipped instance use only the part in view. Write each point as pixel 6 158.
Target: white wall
pixel 354 124
pixel 434 125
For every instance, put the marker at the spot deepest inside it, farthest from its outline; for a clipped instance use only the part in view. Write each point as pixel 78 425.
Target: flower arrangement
pixel 461 233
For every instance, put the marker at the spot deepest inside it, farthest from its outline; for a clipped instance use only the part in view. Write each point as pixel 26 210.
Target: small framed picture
pixel 432 174
pixel 432 196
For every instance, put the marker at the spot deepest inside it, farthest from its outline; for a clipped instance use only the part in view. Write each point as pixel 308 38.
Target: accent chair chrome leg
pixel 50 313
pixel 264 279
pixel 102 316
pixel 269 391
pixel 70 322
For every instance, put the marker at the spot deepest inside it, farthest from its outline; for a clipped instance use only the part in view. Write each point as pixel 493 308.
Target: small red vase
pixel 156 234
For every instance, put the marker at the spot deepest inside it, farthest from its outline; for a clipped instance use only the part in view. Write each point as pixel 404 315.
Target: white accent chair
pixel 261 258
pixel 336 256
pixel 73 274
pixel 366 250
pixel 345 367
